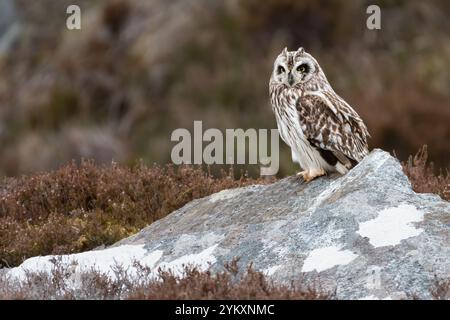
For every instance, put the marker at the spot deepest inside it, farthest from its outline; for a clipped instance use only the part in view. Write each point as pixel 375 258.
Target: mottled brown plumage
pixel 325 134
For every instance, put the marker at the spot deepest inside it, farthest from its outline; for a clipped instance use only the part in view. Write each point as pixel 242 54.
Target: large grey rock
pixel 364 235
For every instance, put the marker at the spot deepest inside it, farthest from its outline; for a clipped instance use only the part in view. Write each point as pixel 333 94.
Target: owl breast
pixel 284 107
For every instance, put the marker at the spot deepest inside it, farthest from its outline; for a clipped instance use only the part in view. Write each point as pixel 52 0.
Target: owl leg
pixel 310 174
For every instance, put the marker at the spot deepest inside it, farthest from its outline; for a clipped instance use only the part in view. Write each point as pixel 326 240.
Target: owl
pixel 324 133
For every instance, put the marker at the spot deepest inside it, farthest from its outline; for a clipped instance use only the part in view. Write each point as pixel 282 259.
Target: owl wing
pixel 333 127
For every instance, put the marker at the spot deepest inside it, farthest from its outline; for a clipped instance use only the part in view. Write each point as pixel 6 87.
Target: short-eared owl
pixel 325 134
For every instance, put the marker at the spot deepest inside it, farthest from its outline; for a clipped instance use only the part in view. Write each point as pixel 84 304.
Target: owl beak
pixel 290 79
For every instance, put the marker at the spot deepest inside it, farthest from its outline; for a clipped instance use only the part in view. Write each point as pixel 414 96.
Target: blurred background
pixel 137 70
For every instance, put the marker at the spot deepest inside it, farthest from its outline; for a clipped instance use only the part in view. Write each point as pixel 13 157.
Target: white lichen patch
pixel 107 260
pixel 392 226
pixel 231 193
pixel 201 261
pixel 101 260
pixel 325 258
pixel 224 195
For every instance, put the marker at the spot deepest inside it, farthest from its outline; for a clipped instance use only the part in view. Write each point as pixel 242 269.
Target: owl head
pixel 294 67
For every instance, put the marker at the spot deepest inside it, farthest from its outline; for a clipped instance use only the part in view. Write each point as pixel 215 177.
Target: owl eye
pixel 281 69
pixel 302 68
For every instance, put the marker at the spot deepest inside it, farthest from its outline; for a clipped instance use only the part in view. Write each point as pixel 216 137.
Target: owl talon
pixel 309 175
pixel 300 176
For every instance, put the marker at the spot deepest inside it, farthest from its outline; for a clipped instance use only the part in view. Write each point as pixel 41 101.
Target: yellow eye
pixel 301 68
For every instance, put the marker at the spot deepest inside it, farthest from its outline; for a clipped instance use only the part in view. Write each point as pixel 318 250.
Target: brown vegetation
pixel 423 176
pixel 441 289
pixel 191 284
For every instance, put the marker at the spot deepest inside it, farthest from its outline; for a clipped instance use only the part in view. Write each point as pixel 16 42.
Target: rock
pixel 365 235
